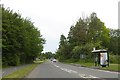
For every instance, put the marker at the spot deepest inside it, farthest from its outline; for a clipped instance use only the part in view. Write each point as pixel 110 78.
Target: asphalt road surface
pixel 59 70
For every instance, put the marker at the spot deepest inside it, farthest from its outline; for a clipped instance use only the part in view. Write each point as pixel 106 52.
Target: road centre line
pixel 93 76
pixel 89 76
pixel 75 72
pixel 65 69
pixel 68 70
pixel 56 65
pixel 83 75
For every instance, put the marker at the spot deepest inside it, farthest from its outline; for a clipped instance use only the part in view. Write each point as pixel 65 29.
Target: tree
pixel 114 41
pixel 97 32
pixel 21 40
pixel 64 49
pixel 77 33
pixel 86 34
pixel 48 55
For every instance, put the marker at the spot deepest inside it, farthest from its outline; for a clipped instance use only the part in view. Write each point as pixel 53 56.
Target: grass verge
pixel 24 71
pixel 85 64
pixel 112 67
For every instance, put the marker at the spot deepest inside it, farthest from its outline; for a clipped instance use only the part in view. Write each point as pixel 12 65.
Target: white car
pixel 54 60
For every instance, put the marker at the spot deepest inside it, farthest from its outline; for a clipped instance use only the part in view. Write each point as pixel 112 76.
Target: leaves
pixel 86 34
pixel 21 40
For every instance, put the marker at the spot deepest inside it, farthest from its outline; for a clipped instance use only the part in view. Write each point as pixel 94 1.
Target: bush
pixel 15 61
pixel 114 59
pixel 61 59
pixel 4 62
pixel 87 60
pixel 71 60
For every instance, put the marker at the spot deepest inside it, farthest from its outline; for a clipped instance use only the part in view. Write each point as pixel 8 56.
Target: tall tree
pixel 83 36
pixel 21 40
pixel 97 32
pixel 64 49
pixel 114 41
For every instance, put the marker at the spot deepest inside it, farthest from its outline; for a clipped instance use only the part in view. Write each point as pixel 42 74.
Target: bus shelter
pixel 101 57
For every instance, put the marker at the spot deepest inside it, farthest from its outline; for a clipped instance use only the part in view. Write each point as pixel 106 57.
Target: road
pixel 59 70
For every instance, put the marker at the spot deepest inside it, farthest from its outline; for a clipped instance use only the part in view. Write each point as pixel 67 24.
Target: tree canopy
pixel 22 42
pixel 86 34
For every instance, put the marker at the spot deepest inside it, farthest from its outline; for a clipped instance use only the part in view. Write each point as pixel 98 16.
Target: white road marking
pixel 65 69
pixel 93 76
pixel 69 70
pixel 81 75
pixel 56 65
pixel 87 76
pixel 75 72
pixel 101 70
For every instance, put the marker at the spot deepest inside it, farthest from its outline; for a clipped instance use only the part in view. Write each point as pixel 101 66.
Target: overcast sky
pixel 54 17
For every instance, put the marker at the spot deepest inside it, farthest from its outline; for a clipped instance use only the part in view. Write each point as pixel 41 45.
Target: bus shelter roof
pixel 100 50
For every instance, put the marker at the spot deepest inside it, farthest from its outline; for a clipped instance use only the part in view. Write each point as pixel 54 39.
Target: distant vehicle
pixel 51 59
pixel 54 60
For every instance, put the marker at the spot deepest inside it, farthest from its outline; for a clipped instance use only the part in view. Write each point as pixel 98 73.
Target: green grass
pixel 85 64
pixel 82 63
pixel 112 67
pixel 24 71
